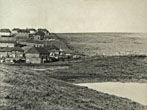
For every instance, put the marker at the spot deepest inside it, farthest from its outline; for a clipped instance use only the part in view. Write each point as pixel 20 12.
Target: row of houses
pixel 10 43
pixel 43 55
pixel 31 51
pixel 10 52
pixel 36 34
pixel 5 33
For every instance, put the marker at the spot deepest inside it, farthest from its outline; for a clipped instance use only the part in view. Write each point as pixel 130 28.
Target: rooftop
pixel 10 49
pixel 4 41
pixel 41 29
pixel 31 29
pixel 38 50
pixel 5 30
pixel 23 31
pixel 15 29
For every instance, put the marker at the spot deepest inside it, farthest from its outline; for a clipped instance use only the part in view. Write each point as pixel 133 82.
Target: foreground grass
pixel 103 69
pixel 25 89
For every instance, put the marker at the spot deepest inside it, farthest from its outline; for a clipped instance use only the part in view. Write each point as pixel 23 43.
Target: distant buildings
pixel 7 44
pixel 31 31
pixel 17 52
pixel 45 31
pixel 11 52
pixel 39 34
pixel 15 30
pixel 5 33
pixel 33 46
pixel 4 52
pixel 22 33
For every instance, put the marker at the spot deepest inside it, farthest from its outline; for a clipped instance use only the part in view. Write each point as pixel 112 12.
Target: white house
pixel 31 31
pixel 15 30
pixel 7 44
pixel 5 33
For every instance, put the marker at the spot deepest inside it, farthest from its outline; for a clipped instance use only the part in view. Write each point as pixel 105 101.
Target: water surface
pixel 134 91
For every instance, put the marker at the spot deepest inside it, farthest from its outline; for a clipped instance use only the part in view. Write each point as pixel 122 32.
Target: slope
pixel 25 89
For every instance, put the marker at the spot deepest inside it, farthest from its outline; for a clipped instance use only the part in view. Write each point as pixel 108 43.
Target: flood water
pixel 134 91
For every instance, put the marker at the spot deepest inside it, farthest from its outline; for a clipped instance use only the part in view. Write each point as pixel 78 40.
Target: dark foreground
pixel 24 89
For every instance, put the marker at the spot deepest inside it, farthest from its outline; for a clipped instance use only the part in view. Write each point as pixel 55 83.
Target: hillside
pixel 26 89
pixel 107 43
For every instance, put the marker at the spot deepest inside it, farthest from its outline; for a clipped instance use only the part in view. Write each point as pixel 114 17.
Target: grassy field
pixel 103 69
pixel 107 43
pixel 22 88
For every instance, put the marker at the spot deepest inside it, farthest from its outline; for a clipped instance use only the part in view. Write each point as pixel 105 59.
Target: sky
pixel 75 15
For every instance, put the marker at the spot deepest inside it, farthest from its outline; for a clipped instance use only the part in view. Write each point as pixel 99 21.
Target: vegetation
pixel 103 69
pixel 25 89
pixel 107 43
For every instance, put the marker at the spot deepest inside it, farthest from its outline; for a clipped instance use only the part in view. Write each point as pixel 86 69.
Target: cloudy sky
pixel 75 15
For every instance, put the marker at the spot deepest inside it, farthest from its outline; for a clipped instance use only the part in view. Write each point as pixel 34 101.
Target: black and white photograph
pixel 73 54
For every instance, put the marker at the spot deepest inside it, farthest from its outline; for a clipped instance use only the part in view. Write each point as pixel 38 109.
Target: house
pixel 45 31
pixel 55 53
pixel 22 33
pixel 15 30
pixel 11 52
pixel 4 52
pixel 5 33
pixel 31 31
pixel 7 44
pixel 17 52
pixel 38 37
pixel 28 45
pixel 9 60
pixel 2 60
pixel 36 55
pixel 49 38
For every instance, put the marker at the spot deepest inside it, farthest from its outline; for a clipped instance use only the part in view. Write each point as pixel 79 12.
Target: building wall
pixel 3 54
pixel 36 58
pixel 32 32
pixel 33 58
pixel 14 32
pixel 44 55
pixel 22 35
pixel 6 44
pixel 11 54
pixel 16 54
pixel 5 34
pixel 38 37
